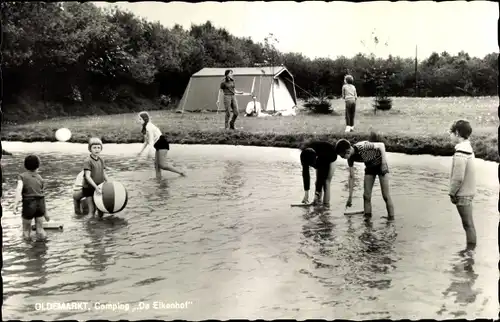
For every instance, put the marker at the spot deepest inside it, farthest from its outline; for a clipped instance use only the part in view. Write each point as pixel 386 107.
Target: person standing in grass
pixel 350 97
pixel 227 87
pixel 154 138
pixel 463 178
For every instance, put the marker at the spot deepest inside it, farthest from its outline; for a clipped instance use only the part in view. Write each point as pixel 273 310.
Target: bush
pixel 319 106
pixel 382 103
pixel 331 97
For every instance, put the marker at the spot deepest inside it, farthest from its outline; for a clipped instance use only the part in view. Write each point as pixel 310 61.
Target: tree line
pixel 67 58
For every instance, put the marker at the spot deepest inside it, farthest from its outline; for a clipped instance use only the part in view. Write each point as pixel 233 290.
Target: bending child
pixel 463 178
pixel 30 191
pixel 373 155
pixel 321 156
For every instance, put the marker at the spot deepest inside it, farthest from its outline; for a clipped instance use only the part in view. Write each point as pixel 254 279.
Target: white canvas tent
pixel 203 89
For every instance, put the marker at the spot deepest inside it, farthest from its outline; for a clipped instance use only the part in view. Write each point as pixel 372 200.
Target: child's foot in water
pixel 27 236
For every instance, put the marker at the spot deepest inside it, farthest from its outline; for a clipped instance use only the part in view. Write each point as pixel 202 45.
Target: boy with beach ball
pixel 94 175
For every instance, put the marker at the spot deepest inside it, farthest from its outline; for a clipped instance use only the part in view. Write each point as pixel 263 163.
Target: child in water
pixel 94 174
pixel 321 156
pixel 154 138
pixel 78 193
pixel 30 191
pixel 463 178
pixel 372 154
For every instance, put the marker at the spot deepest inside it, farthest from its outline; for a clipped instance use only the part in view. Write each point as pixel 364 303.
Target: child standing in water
pixel 372 154
pixel 463 178
pixel 78 193
pixel 30 191
pixel 350 96
pixel 154 138
pixel 94 174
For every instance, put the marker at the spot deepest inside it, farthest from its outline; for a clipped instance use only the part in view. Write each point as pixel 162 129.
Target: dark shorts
pixel 88 191
pixel 375 171
pixel 162 144
pixel 33 208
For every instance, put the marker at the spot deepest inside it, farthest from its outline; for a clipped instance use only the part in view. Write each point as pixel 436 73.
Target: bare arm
pixel 146 142
pixel 89 179
pixel 355 94
pixel 381 146
pixel 343 92
pixel 19 194
pixel 350 182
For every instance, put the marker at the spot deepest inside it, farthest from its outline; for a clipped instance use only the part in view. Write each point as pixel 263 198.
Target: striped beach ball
pixel 113 199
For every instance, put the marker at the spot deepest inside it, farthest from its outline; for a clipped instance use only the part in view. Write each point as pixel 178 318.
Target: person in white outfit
pixel 350 96
pixel 253 107
pixel 154 138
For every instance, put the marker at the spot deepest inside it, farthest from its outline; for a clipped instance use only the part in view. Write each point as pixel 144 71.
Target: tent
pixel 203 89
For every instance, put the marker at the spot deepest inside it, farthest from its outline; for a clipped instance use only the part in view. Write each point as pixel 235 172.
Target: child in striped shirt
pixel 463 178
pixel 373 155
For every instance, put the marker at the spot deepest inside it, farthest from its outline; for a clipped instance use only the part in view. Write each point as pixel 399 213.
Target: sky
pixel 332 29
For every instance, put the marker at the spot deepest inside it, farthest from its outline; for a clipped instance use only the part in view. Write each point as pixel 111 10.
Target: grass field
pixel 414 126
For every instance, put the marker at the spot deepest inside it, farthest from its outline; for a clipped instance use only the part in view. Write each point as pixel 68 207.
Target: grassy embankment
pixel 413 126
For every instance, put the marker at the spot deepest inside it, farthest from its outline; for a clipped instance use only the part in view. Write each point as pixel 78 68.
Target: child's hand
pixel 98 190
pixel 47 218
pixel 453 199
pixel 348 204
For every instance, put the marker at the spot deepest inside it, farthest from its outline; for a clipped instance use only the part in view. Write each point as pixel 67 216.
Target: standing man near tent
pixel 227 88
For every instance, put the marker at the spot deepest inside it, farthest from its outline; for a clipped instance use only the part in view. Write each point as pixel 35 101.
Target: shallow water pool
pixel 224 243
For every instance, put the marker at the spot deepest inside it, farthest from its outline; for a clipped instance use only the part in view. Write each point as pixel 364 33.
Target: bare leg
pixel 157 165
pixel 384 186
pixel 27 229
pixel 367 194
pixel 91 206
pixel 327 188
pixel 465 213
pixel 40 232
pixel 162 163
pixel 77 197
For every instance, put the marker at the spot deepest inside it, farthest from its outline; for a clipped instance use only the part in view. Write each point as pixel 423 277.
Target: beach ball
pixel 113 199
pixel 63 134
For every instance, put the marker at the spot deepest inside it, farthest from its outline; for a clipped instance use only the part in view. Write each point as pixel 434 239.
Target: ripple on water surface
pixel 225 242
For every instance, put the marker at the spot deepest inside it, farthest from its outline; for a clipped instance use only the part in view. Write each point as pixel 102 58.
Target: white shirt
pixel 78 182
pixel 251 106
pixel 153 133
pixel 349 92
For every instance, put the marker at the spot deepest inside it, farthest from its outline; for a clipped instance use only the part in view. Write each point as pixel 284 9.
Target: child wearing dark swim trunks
pixel 463 178
pixel 94 174
pixel 373 155
pixel 321 156
pixel 30 191
pixel 153 137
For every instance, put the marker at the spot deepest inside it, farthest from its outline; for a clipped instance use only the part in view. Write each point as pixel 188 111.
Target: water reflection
pixel 372 255
pixel 232 180
pixel 99 250
pixel 463 279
